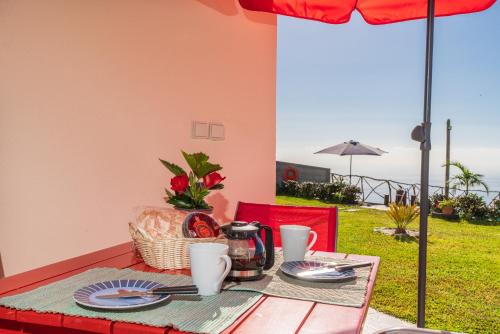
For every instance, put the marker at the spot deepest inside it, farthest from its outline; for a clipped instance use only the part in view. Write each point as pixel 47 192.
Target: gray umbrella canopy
pixel 351 148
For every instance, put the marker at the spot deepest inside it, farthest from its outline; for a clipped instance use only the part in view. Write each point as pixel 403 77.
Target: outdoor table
pixel 269 315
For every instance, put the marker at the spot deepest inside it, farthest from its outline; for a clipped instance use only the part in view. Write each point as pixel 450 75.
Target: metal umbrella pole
pixel 447 170
pixel 425 147
pixel 350 169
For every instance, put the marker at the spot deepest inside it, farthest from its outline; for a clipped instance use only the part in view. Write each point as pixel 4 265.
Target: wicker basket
pixel 167 253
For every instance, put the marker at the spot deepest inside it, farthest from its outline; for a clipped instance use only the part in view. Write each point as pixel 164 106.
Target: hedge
pixel 334 192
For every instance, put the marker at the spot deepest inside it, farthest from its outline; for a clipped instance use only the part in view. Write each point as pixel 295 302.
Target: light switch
pixel 217 131
pixel 200 130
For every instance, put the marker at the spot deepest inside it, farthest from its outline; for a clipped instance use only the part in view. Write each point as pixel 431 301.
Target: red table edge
pixel 371 283
pixel 52 270
pixel 90 324
pixel 26 317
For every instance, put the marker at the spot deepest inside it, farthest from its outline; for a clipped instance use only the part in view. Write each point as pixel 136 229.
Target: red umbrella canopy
pixel 373 11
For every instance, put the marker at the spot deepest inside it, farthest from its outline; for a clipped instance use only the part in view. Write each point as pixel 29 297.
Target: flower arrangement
pixel 190 189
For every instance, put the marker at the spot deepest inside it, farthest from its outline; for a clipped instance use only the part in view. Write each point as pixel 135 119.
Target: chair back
pixel 323 221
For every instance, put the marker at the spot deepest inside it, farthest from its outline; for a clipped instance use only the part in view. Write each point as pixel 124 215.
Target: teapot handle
pixel 269 247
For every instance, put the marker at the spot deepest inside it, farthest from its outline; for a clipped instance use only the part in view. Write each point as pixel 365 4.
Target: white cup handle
pixel 313 241
pixel 227 260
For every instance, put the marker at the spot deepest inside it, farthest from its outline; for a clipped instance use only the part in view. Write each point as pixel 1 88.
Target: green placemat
pixel 210 314
pixel 275 283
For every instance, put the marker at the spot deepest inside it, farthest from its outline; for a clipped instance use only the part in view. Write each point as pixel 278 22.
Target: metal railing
pixel 379 191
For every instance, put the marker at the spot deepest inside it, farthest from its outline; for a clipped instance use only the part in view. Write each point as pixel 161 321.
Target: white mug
pixel 210 264
pixel 294 241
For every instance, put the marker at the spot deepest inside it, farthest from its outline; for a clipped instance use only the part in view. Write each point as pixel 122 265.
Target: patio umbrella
pixel 351 148
pixel 383 12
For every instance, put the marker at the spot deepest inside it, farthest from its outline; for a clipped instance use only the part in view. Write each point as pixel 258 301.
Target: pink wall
pixel 93 92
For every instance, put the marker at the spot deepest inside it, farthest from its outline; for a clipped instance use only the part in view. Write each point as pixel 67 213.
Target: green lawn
pixel 463 268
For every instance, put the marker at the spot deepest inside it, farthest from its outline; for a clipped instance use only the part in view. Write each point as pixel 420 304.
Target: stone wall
pixel 304 172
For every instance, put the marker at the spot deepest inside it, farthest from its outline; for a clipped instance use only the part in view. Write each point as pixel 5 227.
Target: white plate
pixel 296 269
pixel 86 296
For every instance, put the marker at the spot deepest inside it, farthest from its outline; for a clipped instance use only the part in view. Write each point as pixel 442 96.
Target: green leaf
pixel 180 203
pixel 203 205
pixel 198 162
pixel 188 193
pixel 217 186
pixel 169 193
pixel 192 179
pixel 208 168
pixel 176 170
pixel 204 192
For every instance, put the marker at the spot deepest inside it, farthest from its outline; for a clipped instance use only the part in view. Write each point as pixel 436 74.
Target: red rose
pixel 212 179
pixel 179 183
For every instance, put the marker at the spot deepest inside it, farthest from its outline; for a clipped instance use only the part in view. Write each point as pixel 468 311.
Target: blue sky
pixel 364 82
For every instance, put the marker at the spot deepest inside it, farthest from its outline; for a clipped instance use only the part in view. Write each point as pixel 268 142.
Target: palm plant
pixel 402 215
pixel 467 178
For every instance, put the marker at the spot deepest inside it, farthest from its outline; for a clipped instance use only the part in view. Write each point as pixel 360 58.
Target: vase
pixel 198 223
pixel 447 210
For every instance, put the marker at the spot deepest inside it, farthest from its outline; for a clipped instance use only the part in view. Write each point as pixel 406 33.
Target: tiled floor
pixel 376 320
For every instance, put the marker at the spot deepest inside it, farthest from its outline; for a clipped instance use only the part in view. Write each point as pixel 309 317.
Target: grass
pixel 463 268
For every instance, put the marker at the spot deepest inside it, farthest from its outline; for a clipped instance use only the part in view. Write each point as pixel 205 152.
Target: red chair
pixel 324 221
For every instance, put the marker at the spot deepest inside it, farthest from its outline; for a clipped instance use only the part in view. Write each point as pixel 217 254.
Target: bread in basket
pixel 158 236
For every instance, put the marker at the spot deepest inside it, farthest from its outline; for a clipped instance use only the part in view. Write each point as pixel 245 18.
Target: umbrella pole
pixel 425 147
pixel 350 169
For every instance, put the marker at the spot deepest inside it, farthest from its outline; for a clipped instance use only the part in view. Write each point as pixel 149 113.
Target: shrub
pixel 308 190
pixel 447 203
pixel 351 194
pixel 402 215
pixel 290 188
pixel 332 192
pixel 494 210
pixel 471 207
pixel 336 198
pixel 335 187
pixel 335 192
pixel 322 191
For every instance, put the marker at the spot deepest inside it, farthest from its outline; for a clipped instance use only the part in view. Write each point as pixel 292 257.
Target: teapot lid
pixel 239 226
pixel 241 230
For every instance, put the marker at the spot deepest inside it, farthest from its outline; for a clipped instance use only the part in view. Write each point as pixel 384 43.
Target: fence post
pixel 361 178
pixel 389 186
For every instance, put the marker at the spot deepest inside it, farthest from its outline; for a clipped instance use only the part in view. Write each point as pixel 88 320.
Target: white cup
pixel 294 241
pixel 210 264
